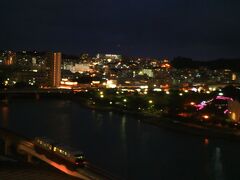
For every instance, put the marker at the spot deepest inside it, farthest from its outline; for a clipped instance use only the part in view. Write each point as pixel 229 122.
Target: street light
pixel 192 103
pixel 205 117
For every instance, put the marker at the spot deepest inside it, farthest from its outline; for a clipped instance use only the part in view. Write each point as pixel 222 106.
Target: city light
pixel 111 84
pixel 194 89
pixel 166 107
pixel 206 141
pixel 205 117
pixel 224 98
pixel 220 94
pixel 192 103
pixel 157 89
pixel 144 87
pixel 234 116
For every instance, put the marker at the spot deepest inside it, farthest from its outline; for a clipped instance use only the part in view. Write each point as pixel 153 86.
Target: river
pixel 122 145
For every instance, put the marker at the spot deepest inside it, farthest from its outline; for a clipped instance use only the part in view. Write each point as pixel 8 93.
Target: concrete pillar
pixel 37 96
pixel 29 158
pixel 7 144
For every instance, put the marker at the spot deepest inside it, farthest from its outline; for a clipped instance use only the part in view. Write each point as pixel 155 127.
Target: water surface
pixel 122 145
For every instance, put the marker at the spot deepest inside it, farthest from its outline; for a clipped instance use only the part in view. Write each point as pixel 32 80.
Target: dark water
pixel 122 145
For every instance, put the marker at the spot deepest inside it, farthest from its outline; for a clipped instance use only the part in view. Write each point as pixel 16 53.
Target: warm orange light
pixel 65 87
pixel 192 103
pixel 166 65
pixel 233 116
pixel 206 141
pixel 205 116
pixel 166 86
pixel 5 113
pixel 184 115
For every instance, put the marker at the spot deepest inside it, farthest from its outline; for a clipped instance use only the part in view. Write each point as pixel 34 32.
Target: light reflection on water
pixel 5 114
pixel 123 128
pixel 110 115
pixel 218 166
pixel 123 134
pixel 123 145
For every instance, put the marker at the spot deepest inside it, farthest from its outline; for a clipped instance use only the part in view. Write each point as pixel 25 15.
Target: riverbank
pixel 176 125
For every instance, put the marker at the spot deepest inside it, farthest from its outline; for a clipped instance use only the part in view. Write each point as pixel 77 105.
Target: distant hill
pixel 183 62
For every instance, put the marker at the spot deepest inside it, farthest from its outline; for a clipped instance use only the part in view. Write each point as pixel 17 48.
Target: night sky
pixel 200 29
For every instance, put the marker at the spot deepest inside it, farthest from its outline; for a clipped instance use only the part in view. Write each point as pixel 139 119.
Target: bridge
pixel 15 143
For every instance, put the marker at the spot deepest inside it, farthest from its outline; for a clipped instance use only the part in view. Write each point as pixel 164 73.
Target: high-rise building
pixel 55 69
pixel 11 56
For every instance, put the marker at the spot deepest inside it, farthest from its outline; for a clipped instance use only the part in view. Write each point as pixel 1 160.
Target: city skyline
pixel 201 30
pixel 130 89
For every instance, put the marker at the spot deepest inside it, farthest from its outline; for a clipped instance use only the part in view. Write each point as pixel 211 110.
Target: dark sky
pixel 201 29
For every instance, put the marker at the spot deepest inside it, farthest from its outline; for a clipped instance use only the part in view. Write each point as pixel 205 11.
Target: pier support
pixel 37 96
pixel 7 144
pixel 29 158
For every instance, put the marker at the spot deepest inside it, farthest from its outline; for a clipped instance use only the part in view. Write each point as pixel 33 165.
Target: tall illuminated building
pixel 55 69
pixel 11 57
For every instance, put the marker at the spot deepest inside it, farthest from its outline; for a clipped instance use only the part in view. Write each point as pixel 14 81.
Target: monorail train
pixel 66 153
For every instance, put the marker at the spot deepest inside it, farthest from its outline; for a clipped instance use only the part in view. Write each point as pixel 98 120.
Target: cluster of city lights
pixel 203 104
